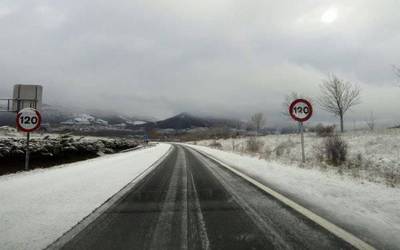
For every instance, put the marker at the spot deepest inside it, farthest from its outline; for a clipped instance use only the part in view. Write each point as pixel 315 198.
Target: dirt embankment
pixel 48 151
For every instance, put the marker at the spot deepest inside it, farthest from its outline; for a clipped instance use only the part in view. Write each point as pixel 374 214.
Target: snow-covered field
pixel 372 210
pixel 373 156
pixel 38 206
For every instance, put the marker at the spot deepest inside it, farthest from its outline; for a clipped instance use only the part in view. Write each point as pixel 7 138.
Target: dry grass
pixel 371 156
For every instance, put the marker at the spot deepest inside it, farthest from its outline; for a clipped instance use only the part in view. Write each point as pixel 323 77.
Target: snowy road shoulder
pixel 39 206
pixel 370 211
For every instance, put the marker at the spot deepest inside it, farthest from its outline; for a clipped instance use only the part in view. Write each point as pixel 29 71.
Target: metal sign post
pixel 301 110
pixel 303 155
pixel 26 99
pixel 28 120
pixel 146 139
pixel 27 151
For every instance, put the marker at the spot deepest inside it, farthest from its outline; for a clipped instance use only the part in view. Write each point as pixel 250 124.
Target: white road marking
pixel 163 230
pixel 332 228
pixel 184 204
pixel 205 243
pixel 263 225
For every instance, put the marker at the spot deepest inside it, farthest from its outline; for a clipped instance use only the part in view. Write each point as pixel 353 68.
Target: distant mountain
pixel 188 121
pixel 58 115
pixel 55 115
pixel 117 118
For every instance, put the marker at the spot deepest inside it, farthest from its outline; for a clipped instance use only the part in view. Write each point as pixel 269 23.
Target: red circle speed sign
pixel 301 110
pixel 28 120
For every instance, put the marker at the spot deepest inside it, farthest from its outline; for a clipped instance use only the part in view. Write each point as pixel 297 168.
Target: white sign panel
pixel 27 96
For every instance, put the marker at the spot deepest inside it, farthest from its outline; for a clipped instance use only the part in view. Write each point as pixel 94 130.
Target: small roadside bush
pixel 283 147
pixel 267 152
pixel 324 131
pixel 319 152
pixel 215 144
pixel 233 145
pixel 335 149
pixel 280 149
pixel 392 178
pixel 254 145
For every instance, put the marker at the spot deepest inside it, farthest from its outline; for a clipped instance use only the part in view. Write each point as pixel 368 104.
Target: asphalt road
pixel 191 202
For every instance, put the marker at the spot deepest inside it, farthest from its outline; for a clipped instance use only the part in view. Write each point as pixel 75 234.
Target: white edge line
pixel 205 243
pixel 339 232
pixel 75 230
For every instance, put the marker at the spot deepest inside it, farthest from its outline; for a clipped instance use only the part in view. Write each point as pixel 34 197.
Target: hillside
pixel 188 121
pixel 55 115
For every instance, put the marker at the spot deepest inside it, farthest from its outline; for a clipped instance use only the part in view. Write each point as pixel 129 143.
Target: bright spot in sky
pixel 329 16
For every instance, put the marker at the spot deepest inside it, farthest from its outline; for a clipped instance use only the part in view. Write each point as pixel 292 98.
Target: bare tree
pixel 338 97
pixel 371 121
pixel 396 70
pixel 258 121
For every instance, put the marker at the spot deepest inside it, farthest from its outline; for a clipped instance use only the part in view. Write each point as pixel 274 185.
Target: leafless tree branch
pixel 257 121
pixel 396 70
pixel 338 96
pixel 370 121
pixel 288 100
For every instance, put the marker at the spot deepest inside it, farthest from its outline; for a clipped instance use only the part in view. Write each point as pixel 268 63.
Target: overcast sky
pixel 216 57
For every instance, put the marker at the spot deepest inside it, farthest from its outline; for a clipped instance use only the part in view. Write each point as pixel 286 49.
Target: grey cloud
pixel 226 58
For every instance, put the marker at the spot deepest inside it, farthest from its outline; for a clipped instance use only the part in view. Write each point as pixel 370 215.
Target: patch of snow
pixel 68 122
pixel 81 119
pixel 169 131
pixel 38 206
pixel 86 117
pixel 7 129
pixel 101 122
pixel 369 210
pixel 139 122
pixel 120 125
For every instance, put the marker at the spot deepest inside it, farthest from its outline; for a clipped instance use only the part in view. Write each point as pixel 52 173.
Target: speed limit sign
pixel 301 110
pixel 28 120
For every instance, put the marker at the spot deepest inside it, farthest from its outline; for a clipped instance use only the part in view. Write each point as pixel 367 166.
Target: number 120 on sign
pixel 301 110
pixel 28 120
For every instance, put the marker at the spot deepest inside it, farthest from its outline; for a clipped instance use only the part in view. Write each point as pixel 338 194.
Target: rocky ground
pixel 50 150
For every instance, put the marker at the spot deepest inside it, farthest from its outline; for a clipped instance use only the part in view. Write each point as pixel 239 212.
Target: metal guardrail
pixel 14 105
pixel 5 105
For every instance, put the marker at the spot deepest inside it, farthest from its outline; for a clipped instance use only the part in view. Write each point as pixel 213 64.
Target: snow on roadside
pixel 38 206
pixel 372 156
pixel 372 210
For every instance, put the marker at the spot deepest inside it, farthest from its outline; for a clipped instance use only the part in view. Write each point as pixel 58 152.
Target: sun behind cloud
pixel 329 16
